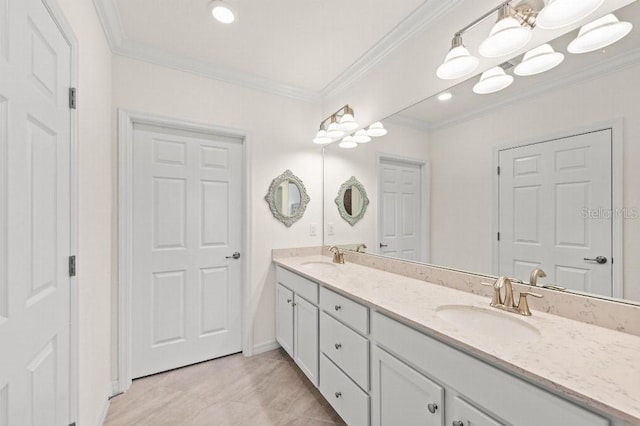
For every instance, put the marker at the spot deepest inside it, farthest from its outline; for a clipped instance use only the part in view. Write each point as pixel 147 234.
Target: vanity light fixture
pixel 222 11
pixel 445 96
pixel 538 60
pixel 458 62
pixel 361 136
pixel 376 130
pixel 599 34
pixel 507 36
pixel 341 122
pixel 561 13
pixel 493 80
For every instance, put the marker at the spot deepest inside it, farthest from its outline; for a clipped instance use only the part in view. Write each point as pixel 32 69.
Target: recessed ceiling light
pixel 222 11
pixel 445 96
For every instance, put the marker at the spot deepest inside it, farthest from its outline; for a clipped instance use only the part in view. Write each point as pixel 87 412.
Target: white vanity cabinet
pixel 297 320
pixel 344 359
pixel 475 393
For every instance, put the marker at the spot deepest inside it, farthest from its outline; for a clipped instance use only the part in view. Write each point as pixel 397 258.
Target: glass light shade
pixel 347 123
pixel 506 37
pixel 361 136
pixel 322 138
pixel 222 12
pixel 492 81
pixel 560 13
pixel 334 132
pixel 376 130
pixel 538 60
pixel 600 33
pixel 457 64
pixel 348 143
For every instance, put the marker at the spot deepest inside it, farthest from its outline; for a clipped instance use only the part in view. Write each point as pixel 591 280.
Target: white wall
pixel 341 164
pixel 463 170
pixel 95 190
pixel 280 136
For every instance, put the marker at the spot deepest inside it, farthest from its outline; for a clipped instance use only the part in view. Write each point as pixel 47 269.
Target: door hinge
pixel 498 236
pixel 72 266
pixel 498 170
pixel 73 103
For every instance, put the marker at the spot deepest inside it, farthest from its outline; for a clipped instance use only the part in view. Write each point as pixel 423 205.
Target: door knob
pixel 600 259
pixel 457 423
pixel 432 408
pixel 235 255
pixel 383 245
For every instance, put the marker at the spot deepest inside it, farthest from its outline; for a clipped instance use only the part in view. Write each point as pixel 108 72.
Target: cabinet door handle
pixel 338 345
pixel 432 408
pixel 337 307
pixel 457 423
pixel 339 394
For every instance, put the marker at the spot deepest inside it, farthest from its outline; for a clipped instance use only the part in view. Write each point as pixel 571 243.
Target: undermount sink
pixel 489 324
pixel 320 265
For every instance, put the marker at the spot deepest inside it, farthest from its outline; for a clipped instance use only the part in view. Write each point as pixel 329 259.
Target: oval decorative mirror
pixel 352 201
pixel 287 198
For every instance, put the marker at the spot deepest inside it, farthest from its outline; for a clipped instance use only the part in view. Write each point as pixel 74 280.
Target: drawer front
pixel 483 384
pixel 351 313
pixel 346 348
pixel 470 415
pixel 300 285
pixel 349 401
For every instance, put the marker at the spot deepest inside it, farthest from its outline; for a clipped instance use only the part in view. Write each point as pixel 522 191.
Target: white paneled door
pixel 401 213
pixel 187 210
pixel 556 211
pixel 35 216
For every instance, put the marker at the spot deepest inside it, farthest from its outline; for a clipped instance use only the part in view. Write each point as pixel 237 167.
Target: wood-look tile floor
pixel 266 389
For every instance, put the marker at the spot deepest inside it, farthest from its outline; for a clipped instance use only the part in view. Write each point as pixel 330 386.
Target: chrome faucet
pixel 338 257
pixel 360 248
pixel 507 304
pixel 537 273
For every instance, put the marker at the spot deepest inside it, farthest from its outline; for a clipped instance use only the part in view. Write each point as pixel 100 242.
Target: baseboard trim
pixel 265 347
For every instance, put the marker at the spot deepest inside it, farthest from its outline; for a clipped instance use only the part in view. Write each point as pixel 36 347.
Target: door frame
pixel 126 121
pixel 617 192
pixel 59 18
pixel 425 195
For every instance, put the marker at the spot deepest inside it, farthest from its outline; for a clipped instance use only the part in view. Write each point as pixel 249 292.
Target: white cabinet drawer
pixel 300 285
pixel 351 313
pixel 346 348
pixel 470 415
pixel 349 401
pixel 486 386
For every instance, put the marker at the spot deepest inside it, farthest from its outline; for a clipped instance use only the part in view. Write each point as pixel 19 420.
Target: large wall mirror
pixel 566 197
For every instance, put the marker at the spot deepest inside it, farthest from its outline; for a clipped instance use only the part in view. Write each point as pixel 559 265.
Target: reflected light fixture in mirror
pixel 376 130
pixel 493 80
pixel 347 122
pixel 458 63
pixel 507 35
pixel 348 143
pixel 599 34
pixel 542 58
pixel 322 138
pixel 361 136
pixel 333 131
pixel 222 12
pixel 560 13
pixel 445 96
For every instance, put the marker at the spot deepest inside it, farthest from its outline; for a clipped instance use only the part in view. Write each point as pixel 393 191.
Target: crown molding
pixel 418 20
pixel 427 13
pixel 617 63
pixel 411 122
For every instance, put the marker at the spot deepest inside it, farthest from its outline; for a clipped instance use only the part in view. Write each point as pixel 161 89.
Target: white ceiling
pixel 302 45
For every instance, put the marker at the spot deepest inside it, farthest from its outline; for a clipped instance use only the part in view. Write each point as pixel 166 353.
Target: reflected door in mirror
pixel 555 211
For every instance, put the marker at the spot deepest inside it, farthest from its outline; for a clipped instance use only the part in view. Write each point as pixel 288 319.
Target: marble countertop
pixel 596 366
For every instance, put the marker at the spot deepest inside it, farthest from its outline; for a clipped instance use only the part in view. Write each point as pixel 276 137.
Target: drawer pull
pixel 457 423
pixel 432 408
pixel 337 307
pixel 339 394
pixel 338 345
